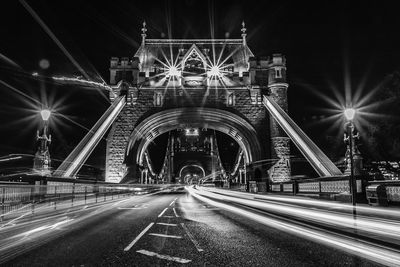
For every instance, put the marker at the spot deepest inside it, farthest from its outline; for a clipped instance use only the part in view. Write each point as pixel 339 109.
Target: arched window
pixel 278 73
pixel 231 99
pixel 158 99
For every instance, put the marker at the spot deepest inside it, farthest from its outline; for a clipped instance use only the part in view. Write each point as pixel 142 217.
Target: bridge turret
pixel 280 143
pixel 123 69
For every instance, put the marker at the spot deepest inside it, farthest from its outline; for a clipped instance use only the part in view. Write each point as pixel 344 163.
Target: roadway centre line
pixel 167 224
pixel 176 215
pixel 169 236
pixel 173 201
pixel 161 214
pixel 194 241
pixel 138 237
pixel 122 208
pixel 163 257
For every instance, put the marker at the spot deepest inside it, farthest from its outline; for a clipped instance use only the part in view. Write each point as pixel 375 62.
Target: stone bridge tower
pixel 216 84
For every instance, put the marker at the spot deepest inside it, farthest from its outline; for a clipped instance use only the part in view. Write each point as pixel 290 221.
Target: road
pixel 162 229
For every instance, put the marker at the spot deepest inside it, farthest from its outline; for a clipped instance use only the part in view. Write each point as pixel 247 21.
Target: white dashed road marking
pixel 167 224
pixel 138 237
pixel 194 241
pixel 176 215
pixel 169 236
pixel 164 257
pixel 161 214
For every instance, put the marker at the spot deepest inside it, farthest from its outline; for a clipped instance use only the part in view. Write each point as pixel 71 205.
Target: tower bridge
pixel 178 86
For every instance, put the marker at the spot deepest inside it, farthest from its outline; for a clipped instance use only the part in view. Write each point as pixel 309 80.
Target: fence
pixel 18 199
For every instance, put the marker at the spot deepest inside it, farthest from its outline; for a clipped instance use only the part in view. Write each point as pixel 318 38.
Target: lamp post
pixel 41 163
pixel 349 113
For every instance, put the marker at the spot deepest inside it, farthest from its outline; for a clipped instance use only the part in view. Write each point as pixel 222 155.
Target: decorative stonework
pixel 393 193
pixel 280 171
pixel 309 187
pixel 335 186
pixel 153 89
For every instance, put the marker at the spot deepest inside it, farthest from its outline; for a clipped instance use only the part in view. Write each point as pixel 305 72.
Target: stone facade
pixel 280 146
pixel 239 93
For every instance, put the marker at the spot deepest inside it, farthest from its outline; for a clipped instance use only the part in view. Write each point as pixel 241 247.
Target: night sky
pixel 323 43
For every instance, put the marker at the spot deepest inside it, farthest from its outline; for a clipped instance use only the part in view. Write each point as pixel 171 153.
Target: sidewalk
pixel 54 207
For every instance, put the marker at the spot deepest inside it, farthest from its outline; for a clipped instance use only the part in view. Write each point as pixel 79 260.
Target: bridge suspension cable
pixel 318 160
pixel 75 160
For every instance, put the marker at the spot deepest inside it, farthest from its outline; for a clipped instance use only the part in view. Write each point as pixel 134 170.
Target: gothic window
pixel 278 73
pixel 194 65
pixel 158 99
pixel 231 99
pixel 259 99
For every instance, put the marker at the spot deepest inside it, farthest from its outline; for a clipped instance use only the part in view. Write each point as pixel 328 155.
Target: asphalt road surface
pixel 164 229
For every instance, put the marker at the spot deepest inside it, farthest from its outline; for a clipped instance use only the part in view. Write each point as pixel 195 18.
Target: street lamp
pixel 41 163
pixel 349 113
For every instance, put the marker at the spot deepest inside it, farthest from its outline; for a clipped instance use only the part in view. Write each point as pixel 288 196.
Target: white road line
pixel 161 214
pixel 138 237
pixel 167 216
pixel 122 208
pixel 176 215
pixel 194 241
pixel 167 224
pixel 163 257
pixel 162 235
pixel 173 201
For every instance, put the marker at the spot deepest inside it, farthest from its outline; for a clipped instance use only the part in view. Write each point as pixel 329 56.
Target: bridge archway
pixel 224 121
pixel 193 166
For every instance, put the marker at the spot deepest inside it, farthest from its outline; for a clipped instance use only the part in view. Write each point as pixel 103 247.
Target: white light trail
pixel 358 247
pixel 390 229
pixel 53 37
pixel 85 82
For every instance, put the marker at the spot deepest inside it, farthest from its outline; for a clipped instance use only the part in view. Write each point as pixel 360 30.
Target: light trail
pixel 373 252
pixel 53 37
pixel 9 61
pixel 21 93
pixel 85 82
pixel 315 203
pixel 383 228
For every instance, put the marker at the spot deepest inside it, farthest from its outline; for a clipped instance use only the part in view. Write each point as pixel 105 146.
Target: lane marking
pixel 176 215
pixel 168 236
pixel 173 201
pixel 167 216
pixel 167 224
pixel 161 214
pixel 122 208
pixel 194 241
pixel 163 257
pixel 138 237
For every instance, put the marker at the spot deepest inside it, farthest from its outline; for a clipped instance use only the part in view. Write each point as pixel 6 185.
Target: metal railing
pixel 24 199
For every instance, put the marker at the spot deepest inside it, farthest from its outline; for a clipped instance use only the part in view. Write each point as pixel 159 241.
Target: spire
pixel 144 30
pixel 244 32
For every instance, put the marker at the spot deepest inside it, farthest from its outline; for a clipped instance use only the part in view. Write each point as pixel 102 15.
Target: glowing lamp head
pixel 173 71
pixel 349 113
pixel 45 113
pixel 214 71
